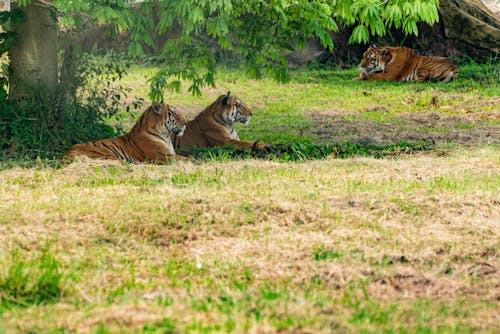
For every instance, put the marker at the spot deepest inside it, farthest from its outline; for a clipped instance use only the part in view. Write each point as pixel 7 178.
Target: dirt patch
pixel 431 127
pixel 406 282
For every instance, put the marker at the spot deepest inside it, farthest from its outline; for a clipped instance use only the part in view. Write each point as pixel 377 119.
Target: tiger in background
pixel 402 64
pixel 149 140
pixel 214 126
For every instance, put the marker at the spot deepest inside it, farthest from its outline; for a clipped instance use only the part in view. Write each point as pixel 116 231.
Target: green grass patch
pixel 30 280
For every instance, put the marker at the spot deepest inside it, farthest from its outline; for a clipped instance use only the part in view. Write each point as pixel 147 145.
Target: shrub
pixel 47 128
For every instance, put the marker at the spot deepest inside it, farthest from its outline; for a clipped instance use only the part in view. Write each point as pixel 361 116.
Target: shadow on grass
pixel 306 150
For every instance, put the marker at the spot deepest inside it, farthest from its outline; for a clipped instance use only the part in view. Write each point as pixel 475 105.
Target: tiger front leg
pixel 254 145
pixel 379 76
pixel 257 145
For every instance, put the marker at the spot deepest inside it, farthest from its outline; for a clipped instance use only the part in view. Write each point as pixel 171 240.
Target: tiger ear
pixel 226 98
pixel 373 45
pixel 384 51
pixel 156 107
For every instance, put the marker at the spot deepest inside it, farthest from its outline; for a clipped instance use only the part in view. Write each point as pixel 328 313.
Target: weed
pixel 321 253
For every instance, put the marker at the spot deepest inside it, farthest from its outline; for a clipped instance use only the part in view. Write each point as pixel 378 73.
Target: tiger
pixel 402 64
pixel 149 140
pixel 214 126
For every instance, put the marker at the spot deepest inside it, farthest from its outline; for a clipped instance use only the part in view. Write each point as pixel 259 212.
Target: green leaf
pixel 135 49
pixel 393 16
pixel 410 26
pixel 67 21
pixel 359 34
pixel 377 27
pixel 344 9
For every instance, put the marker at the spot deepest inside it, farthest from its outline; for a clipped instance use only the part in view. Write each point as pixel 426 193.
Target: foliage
pixel 257 31
pixel 101 89
pixel 6 38
pixel 488 72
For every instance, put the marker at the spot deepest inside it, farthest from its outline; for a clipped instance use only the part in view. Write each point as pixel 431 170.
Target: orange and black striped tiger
pixel 214 126
pixel 149 140
pixel 402 64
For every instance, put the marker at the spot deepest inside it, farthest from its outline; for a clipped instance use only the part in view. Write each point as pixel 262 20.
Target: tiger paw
pixel 270 149
pixel 257 145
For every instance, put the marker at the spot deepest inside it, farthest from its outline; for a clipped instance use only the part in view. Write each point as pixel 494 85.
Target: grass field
pixel 400 234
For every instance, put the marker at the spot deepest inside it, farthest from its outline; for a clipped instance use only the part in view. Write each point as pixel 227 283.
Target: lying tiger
pixel 214 126
pixel 401 64
pixel 149 140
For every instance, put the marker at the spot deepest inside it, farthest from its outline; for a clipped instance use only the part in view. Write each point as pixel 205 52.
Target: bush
pixel 48 128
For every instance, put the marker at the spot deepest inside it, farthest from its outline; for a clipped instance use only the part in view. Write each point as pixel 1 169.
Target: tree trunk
pixel 33 55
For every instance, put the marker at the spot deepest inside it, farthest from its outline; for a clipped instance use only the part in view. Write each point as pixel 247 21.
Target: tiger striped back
pixel 149 139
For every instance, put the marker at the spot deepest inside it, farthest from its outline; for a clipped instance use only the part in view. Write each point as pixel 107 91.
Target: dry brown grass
pixel 317 243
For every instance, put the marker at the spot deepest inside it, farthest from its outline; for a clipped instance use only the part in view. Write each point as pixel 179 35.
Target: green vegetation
pixel 303 149
pixel 399 235
pixel 258 34
pixel 24 282
pixel 43 96
pixel 40 129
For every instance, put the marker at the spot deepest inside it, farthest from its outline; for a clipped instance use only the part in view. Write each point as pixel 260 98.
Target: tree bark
pixel 33 55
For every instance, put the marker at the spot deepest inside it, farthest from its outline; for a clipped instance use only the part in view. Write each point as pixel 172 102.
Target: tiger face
pixel 166 119
pixel 234 110
pixel 374 60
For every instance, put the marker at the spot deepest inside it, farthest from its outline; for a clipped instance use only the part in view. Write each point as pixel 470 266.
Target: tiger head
pixel 375 59
pixel 163 119
pixel 232 109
